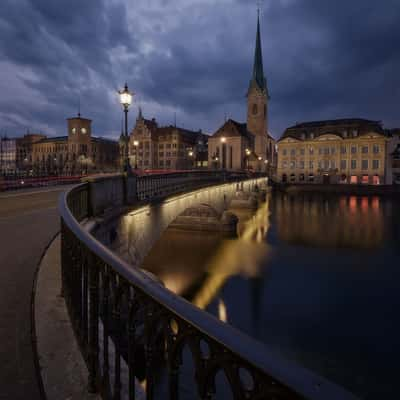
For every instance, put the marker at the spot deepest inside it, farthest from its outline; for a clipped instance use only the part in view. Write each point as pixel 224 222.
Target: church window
pixel 255 109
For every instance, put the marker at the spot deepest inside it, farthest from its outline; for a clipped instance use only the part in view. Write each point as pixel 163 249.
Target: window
pixel 333 164
pixel 292 177
pixel 312 135
pixel 320 150
pixel 364 164
pixel 365 179
pixel 353 149
pixel 174 145
pixel 302 151
pixel 168 153
pixel 161 163
pixel 326 151
pixel 311 178
pixel 375 164
pixel 168 145
pixel 284 164
pixel 161 146
pixel 301 165
pixel 301 177
pixel 376 180
pixel 292 164
pixel 353 164
pixel 161 154
pixel 353 179
pixel 343 164
pixel 364 149
pixel 345 133
pixel 326 164
pixel 375 149
pixel 284 152
pixel 311 150
pixel 293 152
pixel 311 165
pixel 355 132
pixel 343 150
pixel 174 153
pixel 333 150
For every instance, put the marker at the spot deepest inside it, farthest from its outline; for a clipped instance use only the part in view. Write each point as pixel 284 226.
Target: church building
pixel 246 146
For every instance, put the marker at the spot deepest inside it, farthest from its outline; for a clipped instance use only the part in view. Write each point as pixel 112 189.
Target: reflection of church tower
pixel 257 100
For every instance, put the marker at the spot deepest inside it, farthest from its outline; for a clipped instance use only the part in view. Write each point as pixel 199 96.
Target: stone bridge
pixel 133 234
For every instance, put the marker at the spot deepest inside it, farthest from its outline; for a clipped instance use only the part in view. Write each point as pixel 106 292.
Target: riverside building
pixel 347 151
pixel 240 146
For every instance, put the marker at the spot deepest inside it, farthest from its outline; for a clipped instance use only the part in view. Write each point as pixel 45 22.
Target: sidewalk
pixel 63 370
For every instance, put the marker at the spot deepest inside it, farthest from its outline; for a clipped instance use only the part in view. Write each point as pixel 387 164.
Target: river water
pixel 315 277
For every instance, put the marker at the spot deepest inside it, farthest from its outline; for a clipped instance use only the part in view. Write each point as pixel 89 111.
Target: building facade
pixel 169 147
pixel 240 146
pixel 8 155
pixel 348 151
pixel 393 159
pixel 76 154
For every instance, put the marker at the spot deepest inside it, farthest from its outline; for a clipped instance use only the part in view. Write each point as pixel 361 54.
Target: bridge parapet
pixel 110 301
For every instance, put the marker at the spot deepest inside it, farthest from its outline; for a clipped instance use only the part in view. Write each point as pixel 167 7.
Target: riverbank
pixel 358 190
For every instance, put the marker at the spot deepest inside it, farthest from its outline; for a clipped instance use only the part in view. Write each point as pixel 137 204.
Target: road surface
pixel 28 221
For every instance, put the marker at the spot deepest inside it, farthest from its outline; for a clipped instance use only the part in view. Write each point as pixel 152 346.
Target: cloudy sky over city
pixel 323 59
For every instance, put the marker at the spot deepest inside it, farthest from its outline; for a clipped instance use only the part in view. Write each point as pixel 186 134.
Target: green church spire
pixel 258 77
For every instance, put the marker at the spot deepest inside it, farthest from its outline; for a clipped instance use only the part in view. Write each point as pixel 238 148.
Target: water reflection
pixel 316 277
pixel 315 220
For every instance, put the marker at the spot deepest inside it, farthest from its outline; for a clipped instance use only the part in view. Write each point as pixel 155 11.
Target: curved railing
pixel 123 319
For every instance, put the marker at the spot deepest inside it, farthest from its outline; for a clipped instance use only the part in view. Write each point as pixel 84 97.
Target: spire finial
pixel 79 106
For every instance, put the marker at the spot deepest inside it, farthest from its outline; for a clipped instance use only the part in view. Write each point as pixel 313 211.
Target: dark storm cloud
pixel 323 59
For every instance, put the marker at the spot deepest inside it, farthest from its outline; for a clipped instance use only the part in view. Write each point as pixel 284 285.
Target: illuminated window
pixel 292 165
pixel 365 179
pixel 83 131
pixel 376 180
pixel 354 179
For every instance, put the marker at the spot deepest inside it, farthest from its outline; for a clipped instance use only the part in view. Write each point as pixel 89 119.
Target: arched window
pixel 255 109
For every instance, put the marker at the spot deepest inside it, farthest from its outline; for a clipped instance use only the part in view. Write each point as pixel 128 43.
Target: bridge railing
pixel 121 316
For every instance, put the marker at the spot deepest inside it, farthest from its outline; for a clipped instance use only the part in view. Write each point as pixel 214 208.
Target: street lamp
pixel 125 98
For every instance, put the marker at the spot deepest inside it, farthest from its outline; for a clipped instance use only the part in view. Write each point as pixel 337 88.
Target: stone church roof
pixel 233 128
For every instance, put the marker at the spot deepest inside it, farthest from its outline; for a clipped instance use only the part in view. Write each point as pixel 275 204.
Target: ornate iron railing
pixel 124 319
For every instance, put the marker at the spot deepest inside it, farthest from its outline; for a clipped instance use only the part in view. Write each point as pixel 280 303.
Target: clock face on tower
pixel 83 131
pixel 73 130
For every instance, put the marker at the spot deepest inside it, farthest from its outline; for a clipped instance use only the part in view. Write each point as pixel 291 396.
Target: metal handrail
pixel 271 375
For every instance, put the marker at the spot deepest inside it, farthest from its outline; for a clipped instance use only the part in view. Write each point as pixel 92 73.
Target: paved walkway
pixel 28 221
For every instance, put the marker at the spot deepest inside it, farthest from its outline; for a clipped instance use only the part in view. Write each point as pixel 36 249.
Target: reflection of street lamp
pixel 125 98
pixel 190 154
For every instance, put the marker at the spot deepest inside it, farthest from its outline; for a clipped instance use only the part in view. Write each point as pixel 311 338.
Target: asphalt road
pixel 28 221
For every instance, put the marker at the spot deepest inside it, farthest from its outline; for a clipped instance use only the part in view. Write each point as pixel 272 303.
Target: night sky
pixel 323 59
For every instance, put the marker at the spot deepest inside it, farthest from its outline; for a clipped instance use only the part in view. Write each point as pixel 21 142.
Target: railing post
pixel 93 353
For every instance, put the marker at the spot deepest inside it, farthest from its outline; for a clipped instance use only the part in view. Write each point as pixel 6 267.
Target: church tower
pixel 257 100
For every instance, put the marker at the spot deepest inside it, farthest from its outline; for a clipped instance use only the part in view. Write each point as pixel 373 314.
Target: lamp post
pixel 125 98
pixel 136 145
pixel 223 151
pixel 248 152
